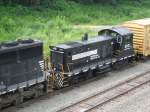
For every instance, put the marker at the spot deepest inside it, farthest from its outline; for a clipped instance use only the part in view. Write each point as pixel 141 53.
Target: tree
pixel 27 2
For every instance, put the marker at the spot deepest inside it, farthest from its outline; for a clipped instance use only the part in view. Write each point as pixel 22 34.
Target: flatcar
pixel 21 71
pixel 70 60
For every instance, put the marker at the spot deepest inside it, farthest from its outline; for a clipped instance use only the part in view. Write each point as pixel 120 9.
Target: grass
pixel 55 24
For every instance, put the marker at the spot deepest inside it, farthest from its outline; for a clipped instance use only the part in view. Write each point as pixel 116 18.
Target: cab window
pixel 128 39
pixel 113 34
pixel 119 39
pixel 105 33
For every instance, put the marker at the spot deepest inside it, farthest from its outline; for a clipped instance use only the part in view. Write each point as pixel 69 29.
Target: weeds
pixel 55 24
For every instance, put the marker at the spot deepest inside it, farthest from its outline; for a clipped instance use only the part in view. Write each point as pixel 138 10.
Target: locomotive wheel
pixel 0 103
pixel 89 74
pixel 18 100
pixel 74 80
pixel 120 64
pixel 131 60
pixel 116 66
pixel 39 91
pixel 0 107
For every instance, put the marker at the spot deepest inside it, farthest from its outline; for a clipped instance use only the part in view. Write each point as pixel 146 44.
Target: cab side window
pixel 113 34
pixel 104 33
pixel 128 39
pixel 119 39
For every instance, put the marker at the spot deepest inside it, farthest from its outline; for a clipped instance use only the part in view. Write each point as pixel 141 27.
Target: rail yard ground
pixel 55 24
pixel 134 101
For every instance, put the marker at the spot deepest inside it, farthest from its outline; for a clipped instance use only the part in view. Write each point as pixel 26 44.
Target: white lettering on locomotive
pixel 84 54
pixel 95 56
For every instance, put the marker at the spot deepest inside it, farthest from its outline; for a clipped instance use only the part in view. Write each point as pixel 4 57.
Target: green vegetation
pixel 55 24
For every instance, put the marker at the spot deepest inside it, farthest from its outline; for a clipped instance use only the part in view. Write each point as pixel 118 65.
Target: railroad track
pixel 101 98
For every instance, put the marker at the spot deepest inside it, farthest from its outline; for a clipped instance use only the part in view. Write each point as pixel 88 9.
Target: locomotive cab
pixel 56 54
pixel 122 41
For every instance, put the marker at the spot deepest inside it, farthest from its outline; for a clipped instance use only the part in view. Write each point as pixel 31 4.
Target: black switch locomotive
pixel 109 48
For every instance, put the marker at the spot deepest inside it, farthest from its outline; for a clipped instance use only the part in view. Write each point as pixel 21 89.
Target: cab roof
pixel 17 45
pixel 120 30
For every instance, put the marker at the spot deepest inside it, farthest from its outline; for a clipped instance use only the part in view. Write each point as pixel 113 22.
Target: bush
pixel 96 1
pixel 27 2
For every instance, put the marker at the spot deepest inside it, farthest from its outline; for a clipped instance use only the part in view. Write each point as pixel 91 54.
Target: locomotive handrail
pixel 57 51
pixel 62 67
pixel 68 67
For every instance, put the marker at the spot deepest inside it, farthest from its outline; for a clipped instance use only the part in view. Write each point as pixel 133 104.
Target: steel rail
pixel 107 95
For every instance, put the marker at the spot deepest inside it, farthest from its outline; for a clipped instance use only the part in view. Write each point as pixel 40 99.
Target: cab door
pixel 117 43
